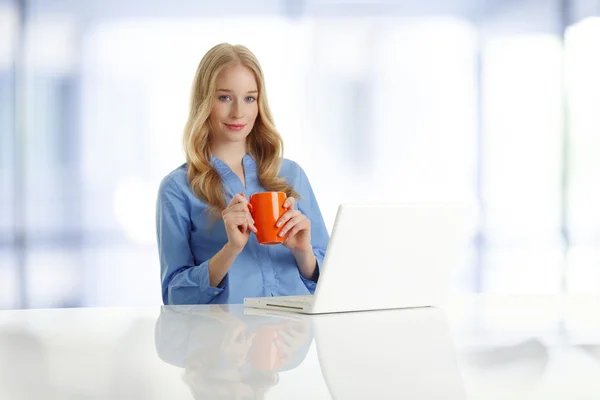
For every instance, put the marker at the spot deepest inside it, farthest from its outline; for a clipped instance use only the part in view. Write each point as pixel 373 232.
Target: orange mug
pixel 266 208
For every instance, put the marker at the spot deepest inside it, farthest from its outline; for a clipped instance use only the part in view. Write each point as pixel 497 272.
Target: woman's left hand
pixel 296 226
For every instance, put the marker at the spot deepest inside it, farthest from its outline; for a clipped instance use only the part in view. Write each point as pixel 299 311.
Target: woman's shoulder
pixel 174 184
pixel 291 169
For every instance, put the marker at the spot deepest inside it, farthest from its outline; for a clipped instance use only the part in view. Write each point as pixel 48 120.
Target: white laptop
pixel 383 256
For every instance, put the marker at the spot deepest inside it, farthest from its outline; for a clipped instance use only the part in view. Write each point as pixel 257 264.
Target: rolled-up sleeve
pixel 309 206
pixel 184 280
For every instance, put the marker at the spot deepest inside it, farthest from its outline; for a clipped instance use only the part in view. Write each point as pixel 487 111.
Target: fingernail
pixel 279 224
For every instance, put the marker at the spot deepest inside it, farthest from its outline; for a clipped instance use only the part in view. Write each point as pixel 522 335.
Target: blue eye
pixel 223 98
pixel 250 99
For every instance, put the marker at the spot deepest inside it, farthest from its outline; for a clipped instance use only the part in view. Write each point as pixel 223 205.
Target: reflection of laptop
pixel 393 354
pixel 383 256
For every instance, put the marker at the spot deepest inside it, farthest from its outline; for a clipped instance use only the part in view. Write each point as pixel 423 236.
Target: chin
pixel 236 138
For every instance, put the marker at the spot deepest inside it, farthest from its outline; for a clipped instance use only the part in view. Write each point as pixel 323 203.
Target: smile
pixel 235 127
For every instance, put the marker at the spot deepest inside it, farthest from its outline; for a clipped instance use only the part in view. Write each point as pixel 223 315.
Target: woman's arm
pixel 310 260
pixel 307 264
pixel 319 236
pixel 184 280
pixel 220 263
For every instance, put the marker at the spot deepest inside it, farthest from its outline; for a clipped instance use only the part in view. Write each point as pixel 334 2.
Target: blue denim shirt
pixel 188 237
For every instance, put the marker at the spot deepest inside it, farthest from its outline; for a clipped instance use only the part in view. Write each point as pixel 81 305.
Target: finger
pixel 240 225
pixel 238 198
pixel 250 217
pixel 243 227
pixel 251 223
pixel 237 207
pixel 287 216
pixel 237 221
pixel 235 214
pixel 281 345
pixel 232 209
pixel 299 227
pixel 285 337
pixel 241 208
pixel 236 218
pixel 292 223
pixel 289 203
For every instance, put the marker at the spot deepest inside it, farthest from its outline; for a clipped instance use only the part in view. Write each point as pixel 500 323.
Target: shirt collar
pixel 248 161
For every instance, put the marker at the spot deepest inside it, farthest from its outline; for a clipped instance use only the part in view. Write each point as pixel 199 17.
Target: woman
pixel 207 247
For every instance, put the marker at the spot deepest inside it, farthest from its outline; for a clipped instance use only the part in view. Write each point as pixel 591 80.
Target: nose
pixel 236 110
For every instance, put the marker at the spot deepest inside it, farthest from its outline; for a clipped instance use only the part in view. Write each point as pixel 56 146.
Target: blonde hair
pixel 264 142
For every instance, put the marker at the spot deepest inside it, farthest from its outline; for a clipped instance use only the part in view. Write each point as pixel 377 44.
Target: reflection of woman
pixel 226 355
pixel 208 253
pixel 24 372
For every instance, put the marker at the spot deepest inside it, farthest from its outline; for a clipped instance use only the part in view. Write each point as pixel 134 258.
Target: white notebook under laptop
pixel 383 256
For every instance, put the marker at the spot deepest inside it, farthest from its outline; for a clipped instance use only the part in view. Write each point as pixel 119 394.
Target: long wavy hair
pixel 263 142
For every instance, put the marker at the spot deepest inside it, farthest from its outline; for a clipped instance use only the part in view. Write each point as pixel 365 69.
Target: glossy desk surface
pixel 473 347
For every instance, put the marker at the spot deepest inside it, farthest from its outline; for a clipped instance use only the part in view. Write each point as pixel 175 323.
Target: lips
pixel 235 127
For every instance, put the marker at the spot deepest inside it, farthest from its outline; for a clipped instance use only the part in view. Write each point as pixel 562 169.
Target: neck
pixel 230 153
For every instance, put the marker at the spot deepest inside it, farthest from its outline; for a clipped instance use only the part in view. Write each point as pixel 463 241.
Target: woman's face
pixel 235 105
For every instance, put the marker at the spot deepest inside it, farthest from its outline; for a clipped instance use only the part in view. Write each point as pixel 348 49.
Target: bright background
pixel 490 102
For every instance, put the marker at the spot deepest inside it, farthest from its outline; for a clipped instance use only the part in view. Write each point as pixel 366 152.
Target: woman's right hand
pixel 238 222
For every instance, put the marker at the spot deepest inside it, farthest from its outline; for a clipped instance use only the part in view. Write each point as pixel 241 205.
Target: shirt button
pixel 216 293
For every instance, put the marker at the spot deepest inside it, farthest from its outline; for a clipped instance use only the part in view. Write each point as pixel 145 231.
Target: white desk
pixel 477 347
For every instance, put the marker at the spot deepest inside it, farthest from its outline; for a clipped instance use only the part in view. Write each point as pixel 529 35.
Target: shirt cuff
pixel 312 285
pixel 205 288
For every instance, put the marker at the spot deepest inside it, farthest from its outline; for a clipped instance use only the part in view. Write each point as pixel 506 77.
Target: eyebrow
pixel 231 91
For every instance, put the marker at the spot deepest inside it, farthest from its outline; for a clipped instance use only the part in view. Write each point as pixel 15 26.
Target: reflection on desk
pixel 229 355
pixel 22 354
pixel 506 347
pixel 383 354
